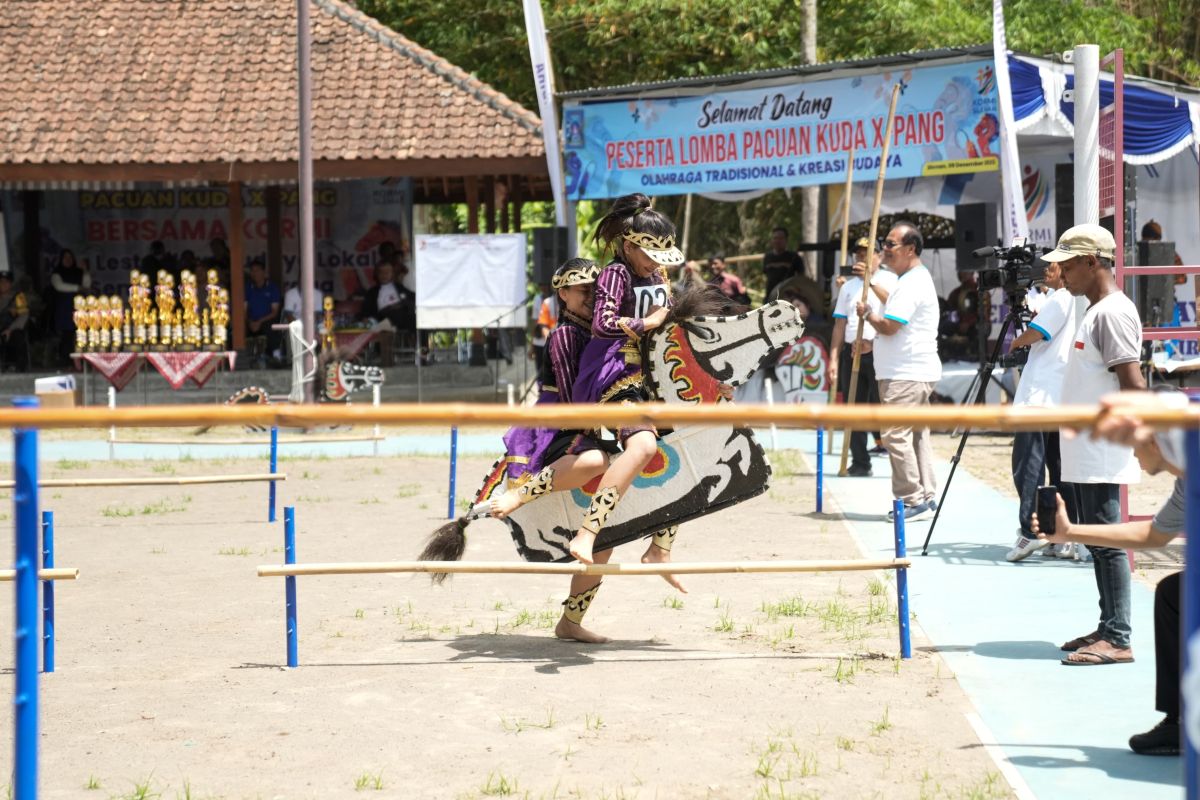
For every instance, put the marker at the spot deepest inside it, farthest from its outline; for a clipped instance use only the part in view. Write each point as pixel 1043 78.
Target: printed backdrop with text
pixel 795 134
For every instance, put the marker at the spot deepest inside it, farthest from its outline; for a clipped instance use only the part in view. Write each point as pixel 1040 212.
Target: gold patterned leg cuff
pixel 604 502
pixel 538 485
pixel 666 537
pixel 576 605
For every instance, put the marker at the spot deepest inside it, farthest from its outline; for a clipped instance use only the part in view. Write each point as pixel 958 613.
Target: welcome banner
pixel 783 135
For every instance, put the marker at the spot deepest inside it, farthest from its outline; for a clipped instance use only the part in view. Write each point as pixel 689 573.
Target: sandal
pixel 1092 658
pixel 1081 642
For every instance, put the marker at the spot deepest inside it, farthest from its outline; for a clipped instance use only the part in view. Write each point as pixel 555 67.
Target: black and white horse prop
pixel 698 469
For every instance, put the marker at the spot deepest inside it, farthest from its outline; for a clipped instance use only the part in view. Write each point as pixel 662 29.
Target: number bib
pixel 647 297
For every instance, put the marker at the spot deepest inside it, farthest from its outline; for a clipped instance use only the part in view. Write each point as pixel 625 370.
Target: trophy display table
pixel 176 367
pixel 352 341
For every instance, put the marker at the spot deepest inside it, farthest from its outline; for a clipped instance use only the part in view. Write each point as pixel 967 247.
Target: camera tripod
pixel 979 385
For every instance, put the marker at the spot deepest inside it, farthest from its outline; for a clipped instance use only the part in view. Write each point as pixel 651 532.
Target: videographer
pixel 1048 338
pixel 1104 357
pixel 845 330
pixel 907 365
pixel 1155 453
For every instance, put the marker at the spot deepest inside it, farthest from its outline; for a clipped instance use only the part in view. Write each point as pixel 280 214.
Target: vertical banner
pixel 1012 203
pixel 543 79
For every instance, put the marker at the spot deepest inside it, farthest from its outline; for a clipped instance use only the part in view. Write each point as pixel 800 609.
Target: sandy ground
pixel 989 458
pixel 170 682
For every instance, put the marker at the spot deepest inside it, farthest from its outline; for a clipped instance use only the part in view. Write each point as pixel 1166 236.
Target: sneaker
pixel 1024 548
pixel 1081 553
pixel 1161 740
pixel 1066 550
pixel 932 504
pixel 912 513
pixel 856 471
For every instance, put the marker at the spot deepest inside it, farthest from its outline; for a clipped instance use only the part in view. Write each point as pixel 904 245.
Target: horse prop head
pixel 344 378
pixel 686 361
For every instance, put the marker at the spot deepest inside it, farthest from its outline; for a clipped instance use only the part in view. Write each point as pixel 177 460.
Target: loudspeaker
pixel 974 227
pixel 1064 200
pixel 549 252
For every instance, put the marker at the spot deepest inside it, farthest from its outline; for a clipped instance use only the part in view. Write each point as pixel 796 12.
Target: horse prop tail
pixel 449 542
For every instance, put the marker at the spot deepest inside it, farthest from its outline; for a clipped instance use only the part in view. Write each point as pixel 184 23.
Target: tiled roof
pixel 179 82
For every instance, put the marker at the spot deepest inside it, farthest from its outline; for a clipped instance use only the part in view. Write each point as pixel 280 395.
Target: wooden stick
pixel 53 574
pixel 858 337
pixel 194 480
pixel 847 191
pixel 255 442
pixel 544 568
pixel 567 415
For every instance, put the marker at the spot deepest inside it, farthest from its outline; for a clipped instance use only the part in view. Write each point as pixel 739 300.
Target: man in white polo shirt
pixel 1035 453
pixel 845 332
pixel 907 365
pixel 1105 356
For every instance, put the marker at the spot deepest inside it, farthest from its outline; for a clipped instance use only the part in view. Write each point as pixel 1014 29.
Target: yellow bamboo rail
pixel 544 568
pixel 183 480
pixel 52 574
pixel 802 415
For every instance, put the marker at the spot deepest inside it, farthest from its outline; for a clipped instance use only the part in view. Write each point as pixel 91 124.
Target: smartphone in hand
pixel 1047 508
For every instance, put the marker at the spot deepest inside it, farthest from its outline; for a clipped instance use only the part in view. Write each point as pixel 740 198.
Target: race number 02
pixel 647 297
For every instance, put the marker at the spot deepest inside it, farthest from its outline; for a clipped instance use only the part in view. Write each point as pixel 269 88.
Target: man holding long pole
pixel 907 365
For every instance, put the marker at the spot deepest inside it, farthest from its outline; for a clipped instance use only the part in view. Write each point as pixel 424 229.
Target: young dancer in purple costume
pixel 643 245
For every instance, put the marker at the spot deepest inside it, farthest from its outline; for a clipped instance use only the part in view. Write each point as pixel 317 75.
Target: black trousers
pixel 868 392
pixel 1168 598
pixel 1034 454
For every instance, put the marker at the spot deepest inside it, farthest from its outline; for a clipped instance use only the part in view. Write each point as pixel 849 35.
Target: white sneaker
pixel 1082 553
pixel 1065 550
pixel 1024 548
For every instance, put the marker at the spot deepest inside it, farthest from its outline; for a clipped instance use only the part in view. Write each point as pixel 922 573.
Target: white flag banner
pixel 543 79
pixel 1012 203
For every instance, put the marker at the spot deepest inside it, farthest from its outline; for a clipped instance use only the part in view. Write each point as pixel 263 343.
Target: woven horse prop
pixel 697 470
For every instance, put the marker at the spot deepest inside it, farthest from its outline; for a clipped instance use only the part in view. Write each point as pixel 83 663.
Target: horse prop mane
pixel 698 469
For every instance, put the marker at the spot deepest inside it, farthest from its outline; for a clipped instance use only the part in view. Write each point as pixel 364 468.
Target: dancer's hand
pixel 725 390
pixel 655 319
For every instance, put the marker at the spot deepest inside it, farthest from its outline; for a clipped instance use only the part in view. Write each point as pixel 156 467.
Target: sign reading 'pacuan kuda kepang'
pixel 783 135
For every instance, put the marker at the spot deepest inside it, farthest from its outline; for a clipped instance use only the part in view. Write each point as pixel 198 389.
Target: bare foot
pixel 565 629
pixel 656 555
pixel 505 504
pixel 581 546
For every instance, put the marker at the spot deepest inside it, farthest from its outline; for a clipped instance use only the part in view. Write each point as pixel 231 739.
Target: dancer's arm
pixel 564 349
pixel 607 321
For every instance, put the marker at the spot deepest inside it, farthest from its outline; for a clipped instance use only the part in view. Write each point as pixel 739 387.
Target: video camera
pixel 1019 268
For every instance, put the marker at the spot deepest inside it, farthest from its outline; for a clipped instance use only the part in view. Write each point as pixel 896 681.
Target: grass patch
pixel 520 725
pixel 724 624
pixel 230 551
pixel 408 490
pixel 67 463
pixel 165 468
pixel 368 781
pixel 499 785
pixel 311 498
pixel 117 510
pixel 166 506
pixel 370 501
pixel 673 602
pixel 883 724
pixel 92 783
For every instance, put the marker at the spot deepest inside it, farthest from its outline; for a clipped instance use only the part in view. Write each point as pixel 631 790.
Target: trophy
pixel 177 331
pixel 165 299
pixel 93 323
pixel 104 335
pixel 327 340
pixel 81 324
pixel 189 300
pixel 214 339
pixel 152 329
pixel 116 315
pixel 205 330
pixel 220 319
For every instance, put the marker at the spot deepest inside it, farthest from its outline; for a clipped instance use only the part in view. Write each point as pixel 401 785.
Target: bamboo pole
pixel 183 480
pixel 858 337
pixel 800 415
pixel 544 568
pixel 255 442
pixel 52 574
pixel 847 191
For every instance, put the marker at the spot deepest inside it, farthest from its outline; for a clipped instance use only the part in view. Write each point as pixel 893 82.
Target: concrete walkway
pixel 999 627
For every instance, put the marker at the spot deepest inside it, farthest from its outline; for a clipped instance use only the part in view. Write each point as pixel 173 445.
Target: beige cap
pixel 863 243
pixel 1083 240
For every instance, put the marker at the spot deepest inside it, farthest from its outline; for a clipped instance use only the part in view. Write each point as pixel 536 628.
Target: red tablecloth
pixel 177 367
pixel 353 342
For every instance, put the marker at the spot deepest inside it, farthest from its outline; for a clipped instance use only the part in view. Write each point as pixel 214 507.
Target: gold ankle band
pixel 604 502
pixel 576 605
pixel 665 538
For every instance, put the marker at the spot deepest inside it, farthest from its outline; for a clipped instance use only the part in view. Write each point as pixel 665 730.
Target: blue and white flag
pixel 1014 223
pixel 543 79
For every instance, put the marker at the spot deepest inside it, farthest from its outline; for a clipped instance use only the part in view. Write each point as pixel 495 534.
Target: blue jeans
pixel 1033 454
pixel 1100 504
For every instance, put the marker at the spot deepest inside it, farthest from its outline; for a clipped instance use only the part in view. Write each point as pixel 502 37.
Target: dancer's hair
pixel 630 213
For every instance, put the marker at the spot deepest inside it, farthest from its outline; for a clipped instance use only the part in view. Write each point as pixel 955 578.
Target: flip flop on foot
pixel 1098 654
pixel 1081 642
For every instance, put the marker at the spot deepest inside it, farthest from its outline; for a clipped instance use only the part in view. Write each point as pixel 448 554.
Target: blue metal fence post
pixel 25 501
pixel 820 469
pixel 1191 596
pixel 274 469
pixel 289 584
pixel 47 592
pixel 901 581
pixel 453 469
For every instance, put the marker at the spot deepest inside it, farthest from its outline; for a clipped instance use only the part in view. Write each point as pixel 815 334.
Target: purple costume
pixel 529 449
pixel 611 368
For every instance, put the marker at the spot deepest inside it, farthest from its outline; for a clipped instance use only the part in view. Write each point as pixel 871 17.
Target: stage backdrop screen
pixel 467 281
pixel 784 134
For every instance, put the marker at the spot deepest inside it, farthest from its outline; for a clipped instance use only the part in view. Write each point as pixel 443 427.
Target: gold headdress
pixel 661 249
pixel 574 273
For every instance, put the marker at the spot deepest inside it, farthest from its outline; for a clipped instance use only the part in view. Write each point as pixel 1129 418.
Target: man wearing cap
pixel 845 329
pixel 1105 356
